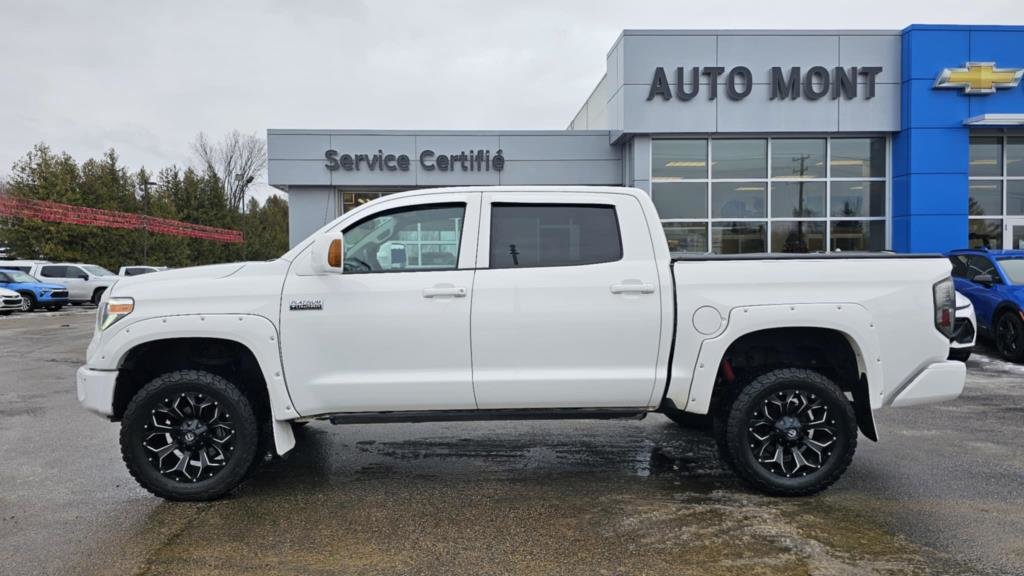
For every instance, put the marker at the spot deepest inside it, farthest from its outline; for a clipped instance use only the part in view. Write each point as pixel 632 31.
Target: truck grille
pixel 963 331
pixel 59 294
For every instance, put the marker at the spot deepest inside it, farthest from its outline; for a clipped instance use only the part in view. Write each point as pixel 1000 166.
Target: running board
pixel 484 415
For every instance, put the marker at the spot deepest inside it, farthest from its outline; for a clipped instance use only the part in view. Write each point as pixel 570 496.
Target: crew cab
pixel 516 303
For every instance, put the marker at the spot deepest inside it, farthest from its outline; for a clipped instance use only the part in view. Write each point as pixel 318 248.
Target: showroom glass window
pixel 995 187
pixel 800 194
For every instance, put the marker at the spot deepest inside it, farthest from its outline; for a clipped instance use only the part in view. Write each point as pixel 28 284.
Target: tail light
pixel 944 296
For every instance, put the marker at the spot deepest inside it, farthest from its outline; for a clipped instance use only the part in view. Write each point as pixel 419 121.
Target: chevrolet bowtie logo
pixel 979 78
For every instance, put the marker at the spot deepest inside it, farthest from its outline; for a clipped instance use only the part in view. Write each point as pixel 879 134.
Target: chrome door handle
pixel 443 290
pixel 632 287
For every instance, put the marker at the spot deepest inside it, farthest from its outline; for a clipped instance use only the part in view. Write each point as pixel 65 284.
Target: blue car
pixel 34 294
pixel 993 280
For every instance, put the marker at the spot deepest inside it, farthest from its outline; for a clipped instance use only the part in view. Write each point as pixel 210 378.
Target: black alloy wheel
pixel 1009 336
pixel 790 432
pixel 189 435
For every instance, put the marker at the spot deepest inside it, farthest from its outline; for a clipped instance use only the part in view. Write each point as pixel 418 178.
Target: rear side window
pixel 539 235
pixel 53 272
pixel 136 271
pixel 959 263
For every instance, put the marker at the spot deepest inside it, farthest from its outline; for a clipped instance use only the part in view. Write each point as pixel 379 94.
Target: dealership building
pixel 748 141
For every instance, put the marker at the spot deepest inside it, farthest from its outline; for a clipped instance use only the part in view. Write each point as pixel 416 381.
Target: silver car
pixel 9 301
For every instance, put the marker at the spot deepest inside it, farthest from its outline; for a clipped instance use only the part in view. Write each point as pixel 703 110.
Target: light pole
pixel 145 219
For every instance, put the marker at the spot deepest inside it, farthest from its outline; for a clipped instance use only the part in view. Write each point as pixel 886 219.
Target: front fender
pixel 852 320
pixel 256 333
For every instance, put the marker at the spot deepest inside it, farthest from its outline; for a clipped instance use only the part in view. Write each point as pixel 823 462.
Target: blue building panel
pixel 930 153
pixel 927 49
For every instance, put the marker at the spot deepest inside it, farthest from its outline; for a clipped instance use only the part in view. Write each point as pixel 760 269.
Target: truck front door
pixel 566 302
pixel 392 332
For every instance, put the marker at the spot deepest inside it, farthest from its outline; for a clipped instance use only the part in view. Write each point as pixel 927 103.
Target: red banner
pixel 68 214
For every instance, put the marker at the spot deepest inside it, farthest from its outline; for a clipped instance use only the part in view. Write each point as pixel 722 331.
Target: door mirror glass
pixel 327 253
pixel 984 279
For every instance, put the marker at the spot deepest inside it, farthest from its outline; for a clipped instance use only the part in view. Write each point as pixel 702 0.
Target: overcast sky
pixel 144 77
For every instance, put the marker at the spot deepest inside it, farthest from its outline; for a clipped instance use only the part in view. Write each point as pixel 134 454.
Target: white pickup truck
pixel 516 303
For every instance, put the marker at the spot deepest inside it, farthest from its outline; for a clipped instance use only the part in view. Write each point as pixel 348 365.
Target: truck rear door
pixel 565 307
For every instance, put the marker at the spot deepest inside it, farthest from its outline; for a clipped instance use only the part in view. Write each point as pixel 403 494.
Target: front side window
pixel 420 238
pixel 1014 269
pixel 537 235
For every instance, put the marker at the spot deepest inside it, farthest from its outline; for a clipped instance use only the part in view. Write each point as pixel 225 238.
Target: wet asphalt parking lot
pixel 942 493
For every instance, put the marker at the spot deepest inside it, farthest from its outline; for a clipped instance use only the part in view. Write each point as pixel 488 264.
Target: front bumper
pixel 96 389
pixel 7 304
pixel 938 382
pixel 51 301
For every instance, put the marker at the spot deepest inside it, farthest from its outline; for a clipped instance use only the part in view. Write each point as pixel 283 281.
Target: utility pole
pixel 145 219
pixel 802 171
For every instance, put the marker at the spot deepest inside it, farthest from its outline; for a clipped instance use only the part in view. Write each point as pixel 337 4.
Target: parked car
pixel 9 301
pixel 137 270
pixel 965 330
pixel 578 311
pixel 22 265
pixel 34 294
pixel 993 280
pixel 84 282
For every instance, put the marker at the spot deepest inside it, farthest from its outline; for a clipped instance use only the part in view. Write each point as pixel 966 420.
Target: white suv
pixel 85 282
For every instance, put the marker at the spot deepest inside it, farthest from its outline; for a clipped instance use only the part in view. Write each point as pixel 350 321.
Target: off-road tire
pixel 96 295
pixel 751 398
pixel 138 415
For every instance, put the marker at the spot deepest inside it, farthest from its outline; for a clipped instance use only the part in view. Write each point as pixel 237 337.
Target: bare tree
pixel 237 159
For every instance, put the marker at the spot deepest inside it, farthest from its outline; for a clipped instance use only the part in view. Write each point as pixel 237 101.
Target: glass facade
pixel 995 187
pixel 806 194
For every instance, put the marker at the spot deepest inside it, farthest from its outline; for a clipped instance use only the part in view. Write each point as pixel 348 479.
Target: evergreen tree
pixel 104 183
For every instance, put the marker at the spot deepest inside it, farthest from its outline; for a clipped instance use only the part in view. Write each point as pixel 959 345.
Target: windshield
pixel 1014 269
pixel 97 270
pixel 19 276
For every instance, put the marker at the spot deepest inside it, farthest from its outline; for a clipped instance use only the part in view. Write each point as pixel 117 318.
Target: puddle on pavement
pixel 519 500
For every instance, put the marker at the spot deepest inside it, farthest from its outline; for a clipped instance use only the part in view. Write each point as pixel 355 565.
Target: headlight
pixel 944 298
pixel 113 310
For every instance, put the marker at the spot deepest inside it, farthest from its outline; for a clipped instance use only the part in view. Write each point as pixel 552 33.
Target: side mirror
pixel 327 253
pixel 984 279
pixel 83 276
